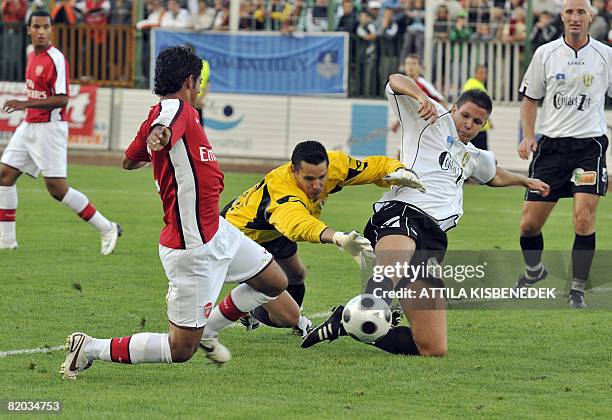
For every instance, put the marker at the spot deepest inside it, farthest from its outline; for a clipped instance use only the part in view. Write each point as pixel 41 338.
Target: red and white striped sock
pixel 81 205
pixel 8 212
pixel 135 349
pixel 236 304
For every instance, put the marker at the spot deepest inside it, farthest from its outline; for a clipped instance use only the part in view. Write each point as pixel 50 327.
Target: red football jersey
pixel 46 75
pixel 186 173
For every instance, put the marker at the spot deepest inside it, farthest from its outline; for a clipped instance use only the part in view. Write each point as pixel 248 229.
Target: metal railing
pixel 101 55
pixel 13 41
pixel 454 63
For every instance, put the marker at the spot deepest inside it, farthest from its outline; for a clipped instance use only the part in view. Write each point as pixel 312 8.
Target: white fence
pixel 454 63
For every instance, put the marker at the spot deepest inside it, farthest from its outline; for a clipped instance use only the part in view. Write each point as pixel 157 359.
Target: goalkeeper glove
pixel 405 178
pixel 355 244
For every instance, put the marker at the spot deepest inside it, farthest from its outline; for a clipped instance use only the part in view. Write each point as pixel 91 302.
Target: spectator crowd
pixel 383 32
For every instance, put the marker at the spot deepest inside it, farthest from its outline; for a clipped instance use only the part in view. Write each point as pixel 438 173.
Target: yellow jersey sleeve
pixel 352 171
pixel 291 218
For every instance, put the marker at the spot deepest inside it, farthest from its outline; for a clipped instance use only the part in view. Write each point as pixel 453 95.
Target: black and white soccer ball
pixel 366 318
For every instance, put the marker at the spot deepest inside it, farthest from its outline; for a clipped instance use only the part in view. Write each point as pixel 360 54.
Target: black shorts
pixel 399 218
pixel 280 247
pixel 556 161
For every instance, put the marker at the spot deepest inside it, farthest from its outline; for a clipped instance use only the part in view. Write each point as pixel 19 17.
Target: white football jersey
pixel 440 159
pixel 573 85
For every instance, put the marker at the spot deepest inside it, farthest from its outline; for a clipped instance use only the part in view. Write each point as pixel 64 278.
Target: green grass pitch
pixel 546 364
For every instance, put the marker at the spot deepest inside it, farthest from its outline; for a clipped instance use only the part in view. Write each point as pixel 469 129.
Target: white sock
pixel 240 301
pixel 80 204
pixel 8 208
pixel 139 348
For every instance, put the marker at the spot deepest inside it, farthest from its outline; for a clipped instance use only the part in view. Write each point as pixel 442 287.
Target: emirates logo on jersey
pixel 38 70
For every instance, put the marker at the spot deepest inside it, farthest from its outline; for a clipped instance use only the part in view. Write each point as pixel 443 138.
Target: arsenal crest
pixel 38 70
pixel 587 79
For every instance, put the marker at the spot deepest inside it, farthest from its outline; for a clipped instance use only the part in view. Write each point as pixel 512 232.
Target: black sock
pixel 583 252
pixel 297 292
pixel 385 285
pixel 532 247
pixel 398 341
pixel 262 316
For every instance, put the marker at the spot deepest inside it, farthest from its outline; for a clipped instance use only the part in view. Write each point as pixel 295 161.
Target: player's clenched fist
pixel 354 244
pixel 427 110
pixel 158 138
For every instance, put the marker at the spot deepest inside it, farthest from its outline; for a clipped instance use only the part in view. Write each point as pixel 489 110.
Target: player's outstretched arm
pixel 505 178
pixel 52 102
pixel 403 85
pixel 352 242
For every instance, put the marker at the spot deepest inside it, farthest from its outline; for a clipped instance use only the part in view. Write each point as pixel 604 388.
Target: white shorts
pixel 196 275
pixel 39 147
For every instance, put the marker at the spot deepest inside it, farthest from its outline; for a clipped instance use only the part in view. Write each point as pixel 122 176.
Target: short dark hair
pixel 172 67
pixel 477 97
pixel 39 12
pixel 415 57
pixel 309 151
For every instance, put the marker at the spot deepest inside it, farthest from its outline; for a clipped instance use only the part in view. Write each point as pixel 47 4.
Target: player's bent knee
pixel 181 354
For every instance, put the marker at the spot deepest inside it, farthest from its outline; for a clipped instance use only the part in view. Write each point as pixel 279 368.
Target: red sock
pixel 120 350
pixel 229 309
pixel 88 212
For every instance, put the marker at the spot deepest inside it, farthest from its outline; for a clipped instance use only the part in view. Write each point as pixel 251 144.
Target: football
pixel 366 318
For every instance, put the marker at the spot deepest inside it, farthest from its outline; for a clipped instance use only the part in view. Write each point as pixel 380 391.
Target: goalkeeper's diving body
pixel 410 228
pixel 284 208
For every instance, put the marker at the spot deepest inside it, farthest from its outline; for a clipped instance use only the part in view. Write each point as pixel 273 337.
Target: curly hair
pixel 172 67
pixel 309 151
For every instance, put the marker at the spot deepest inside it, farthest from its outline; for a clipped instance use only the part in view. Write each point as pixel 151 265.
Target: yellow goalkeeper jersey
pixel 277 207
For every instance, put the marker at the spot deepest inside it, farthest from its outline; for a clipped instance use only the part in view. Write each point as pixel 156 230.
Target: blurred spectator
pixel 176 16
pixel 259 14
pixel 316 18
pixel 496 24
pixel 279 11
pixel 478 11
pixel 551 6
pixel 121 13
pixel 374 7
pixel 599 25
pixel 204 18
pixel 66 13
pixel 366 57
pixel 296 22
pixel 221 21
pixel 388 45
pixel 515 30
pixel 155 11
pixel 461 32
pixel 35 5
pixel 477 81
pixel 348 21
pixel 454 8
pixel 14 11
pixel 543 31
pixel 95 12
pixel 442 22
pixel 414 38
pixel 482 33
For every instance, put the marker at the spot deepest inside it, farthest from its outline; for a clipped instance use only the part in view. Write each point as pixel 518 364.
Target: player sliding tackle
pixel 409 227
pixel 284 208
pixel 198 249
